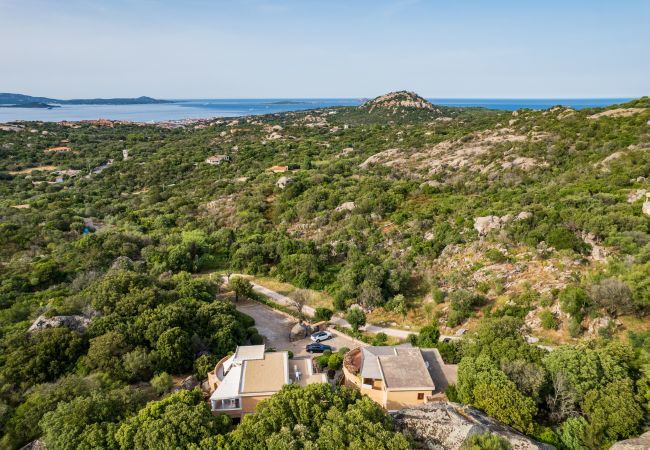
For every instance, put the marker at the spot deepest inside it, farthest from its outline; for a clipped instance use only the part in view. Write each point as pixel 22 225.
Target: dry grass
pixel 34 169
pixel 317 299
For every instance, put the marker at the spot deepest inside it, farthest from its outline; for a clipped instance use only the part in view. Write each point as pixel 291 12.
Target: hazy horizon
pixel 290 49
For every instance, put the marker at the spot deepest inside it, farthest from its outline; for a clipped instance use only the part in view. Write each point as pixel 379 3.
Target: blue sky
pixel 328 48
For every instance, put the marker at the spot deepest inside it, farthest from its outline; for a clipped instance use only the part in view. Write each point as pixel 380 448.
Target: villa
pixel 398 377
pixel 250 375
pixel 215 160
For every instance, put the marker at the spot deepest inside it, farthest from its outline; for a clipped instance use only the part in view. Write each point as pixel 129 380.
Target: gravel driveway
pixel 276 327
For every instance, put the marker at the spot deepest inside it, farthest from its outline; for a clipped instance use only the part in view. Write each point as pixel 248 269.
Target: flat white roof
pixel 249 352
pixel 229 387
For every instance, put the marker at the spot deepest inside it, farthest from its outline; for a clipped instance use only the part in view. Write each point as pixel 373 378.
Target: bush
pixel 428 336
pixel 452 393
pixel 380 339
pixel 323 314
pixel 486 441
pixel 496 256
pixel 204 364
pixel 356 318
pixel 575 328
pixel 162 382
pixel 438 295
pixel 335 361
pixel 256 339
pixel 574 301
pixel 549 322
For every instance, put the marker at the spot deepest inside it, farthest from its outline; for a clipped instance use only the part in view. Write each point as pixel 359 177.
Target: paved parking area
pixel 276 326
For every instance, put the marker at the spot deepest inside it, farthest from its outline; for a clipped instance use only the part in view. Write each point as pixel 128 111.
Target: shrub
pixel 438 295
pixel 380 339
pixel 256 339
pixel 356 318
pixel 485 441
pixel 428 336
pixel 575 328
pixel 496 256
pixel 204 364
pixel 549 322
pixel 574 301
pixel 452 393
pixel 323 314
pixel 335 361
pixel 162 382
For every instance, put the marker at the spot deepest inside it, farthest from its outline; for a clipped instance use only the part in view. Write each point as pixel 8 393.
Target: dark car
pixel 318 348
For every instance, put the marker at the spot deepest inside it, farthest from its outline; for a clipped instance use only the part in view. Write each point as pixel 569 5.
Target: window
pixel 420 395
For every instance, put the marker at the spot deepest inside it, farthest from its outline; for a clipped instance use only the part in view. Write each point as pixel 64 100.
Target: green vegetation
pixel 135 247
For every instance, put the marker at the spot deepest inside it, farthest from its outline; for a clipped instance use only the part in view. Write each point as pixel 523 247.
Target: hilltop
pixel 397 100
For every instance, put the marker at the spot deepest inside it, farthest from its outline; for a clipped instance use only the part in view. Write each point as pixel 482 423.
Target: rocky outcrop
pixel 617 112
pixel 646 208
pixel 640 443
pixel 189 383
pixel 635 195
pixel 76 323
pixel 38 444
pixel 399 99
pixel 347 206
pixel 447 425
pixel 300 331
pixel 283 182
pixel 483 225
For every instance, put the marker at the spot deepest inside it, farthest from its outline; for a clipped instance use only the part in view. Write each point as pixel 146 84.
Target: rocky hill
pixel 398 100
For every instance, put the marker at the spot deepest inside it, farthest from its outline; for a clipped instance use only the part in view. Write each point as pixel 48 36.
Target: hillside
pixel 417 213
pixel 32 102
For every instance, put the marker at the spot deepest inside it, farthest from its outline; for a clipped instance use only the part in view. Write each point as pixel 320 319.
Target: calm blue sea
pixel 193 109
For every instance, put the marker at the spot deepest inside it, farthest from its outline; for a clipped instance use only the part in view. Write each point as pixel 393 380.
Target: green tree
pixel 613 412
pixel 105 354
pixel 177 421
pixel 162 382
pixel 482 384
pixel 90 421
pixel 428 336
pixel 241 287
pixel 356 318
pixel 174 350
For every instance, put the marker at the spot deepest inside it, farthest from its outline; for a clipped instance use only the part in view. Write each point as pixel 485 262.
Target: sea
pixel 207 108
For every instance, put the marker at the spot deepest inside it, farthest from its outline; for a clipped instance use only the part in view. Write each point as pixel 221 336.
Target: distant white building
pixel 215 160
pixel 125 154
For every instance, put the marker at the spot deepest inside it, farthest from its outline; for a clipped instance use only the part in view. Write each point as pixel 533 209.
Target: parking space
pixel 276 326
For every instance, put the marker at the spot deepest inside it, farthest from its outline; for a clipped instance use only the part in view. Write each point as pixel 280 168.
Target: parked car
pixel 317 347
pixel 321 336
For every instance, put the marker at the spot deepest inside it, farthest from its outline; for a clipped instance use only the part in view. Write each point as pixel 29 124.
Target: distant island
pixel 27 101
pixel 31 105
pixel 289 102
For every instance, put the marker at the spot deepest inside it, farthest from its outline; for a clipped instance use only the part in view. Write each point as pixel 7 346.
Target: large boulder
pixel 300 331
pixel 76 323
pixel 283 182
pixel 483 225
pixel 447 425
pixel 640 443
pixel 646 208
pixel 347 206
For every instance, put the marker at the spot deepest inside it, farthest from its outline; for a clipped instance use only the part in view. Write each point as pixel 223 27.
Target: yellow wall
pixel 402 399
pixel 376 395
pixel 248 404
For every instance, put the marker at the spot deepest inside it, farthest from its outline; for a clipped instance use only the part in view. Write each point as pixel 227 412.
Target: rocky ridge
pixel 446 426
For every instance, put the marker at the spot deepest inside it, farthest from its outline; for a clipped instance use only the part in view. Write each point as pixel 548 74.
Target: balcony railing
pixel 226 404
